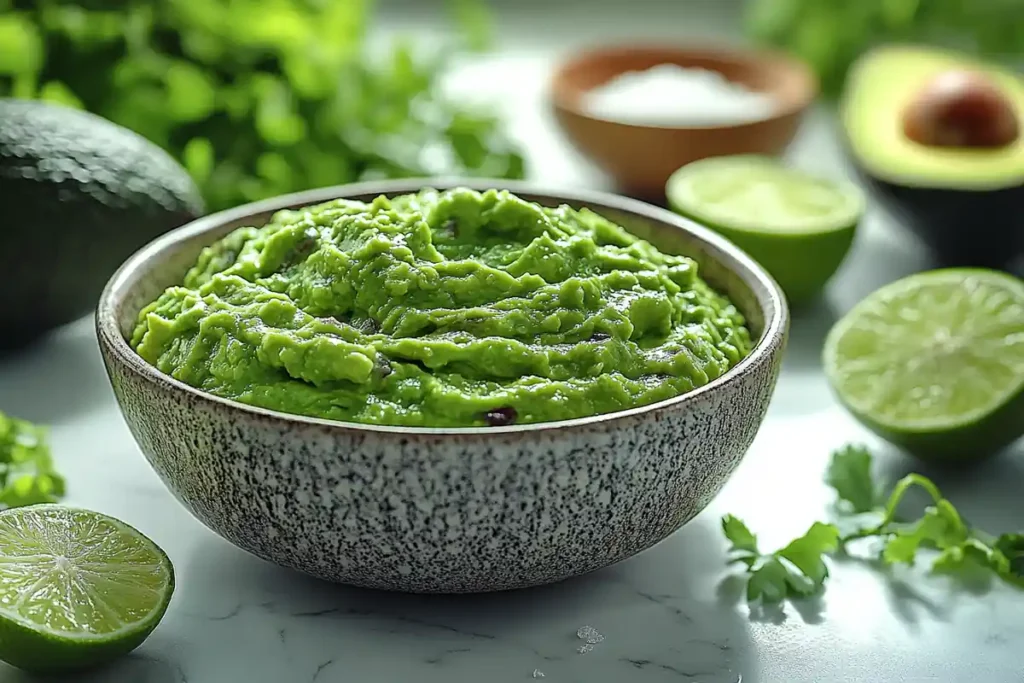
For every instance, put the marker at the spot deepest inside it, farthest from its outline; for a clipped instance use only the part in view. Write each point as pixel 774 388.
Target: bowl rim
pixel 757 56
pixel 766 291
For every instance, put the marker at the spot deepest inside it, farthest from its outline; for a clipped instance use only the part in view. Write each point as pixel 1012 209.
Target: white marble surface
pixel 667 615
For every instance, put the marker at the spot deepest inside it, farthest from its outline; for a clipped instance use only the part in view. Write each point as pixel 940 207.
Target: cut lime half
pixel 795 224
pixel 77 588
pixel 935 362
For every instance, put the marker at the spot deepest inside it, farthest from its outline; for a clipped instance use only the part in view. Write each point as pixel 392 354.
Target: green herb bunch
pixel 866 511
pixel 27 476
pixel 256 97
pixel 831 34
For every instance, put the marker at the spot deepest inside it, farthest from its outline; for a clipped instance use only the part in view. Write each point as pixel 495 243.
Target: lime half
pixel 935 362
pixel 795 224
pixel 77 588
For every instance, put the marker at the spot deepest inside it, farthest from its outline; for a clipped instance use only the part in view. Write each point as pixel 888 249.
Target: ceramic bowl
pixel 640 158
pixel 444 510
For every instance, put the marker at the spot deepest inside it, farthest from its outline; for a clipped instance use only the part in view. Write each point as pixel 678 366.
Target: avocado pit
pixel 961 108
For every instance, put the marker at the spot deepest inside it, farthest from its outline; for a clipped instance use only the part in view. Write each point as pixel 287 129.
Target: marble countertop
pixel 667 615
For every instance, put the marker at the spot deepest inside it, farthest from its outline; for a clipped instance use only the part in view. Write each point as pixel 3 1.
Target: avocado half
pixel 79 195
pixel 967 204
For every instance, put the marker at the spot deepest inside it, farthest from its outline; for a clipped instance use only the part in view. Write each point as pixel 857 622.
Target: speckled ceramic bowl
pixel 444 510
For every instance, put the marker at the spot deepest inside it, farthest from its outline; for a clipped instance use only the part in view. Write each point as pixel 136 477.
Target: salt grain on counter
pixel 671 95
pixel 591 636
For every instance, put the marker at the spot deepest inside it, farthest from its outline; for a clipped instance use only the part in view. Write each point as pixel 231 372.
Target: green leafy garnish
pixel 796 569
pixel 850 476
pixel 27 476
pixel 1011 548
pixel 807 551
pixel 800 569
pixel 259 97
pixel 743 541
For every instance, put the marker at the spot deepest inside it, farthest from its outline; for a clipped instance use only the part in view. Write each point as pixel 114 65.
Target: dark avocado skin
pixel 79 195
pixel 982 228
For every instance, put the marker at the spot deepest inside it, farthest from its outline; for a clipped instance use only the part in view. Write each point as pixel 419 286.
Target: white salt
pixel 674 96
pixel 589 634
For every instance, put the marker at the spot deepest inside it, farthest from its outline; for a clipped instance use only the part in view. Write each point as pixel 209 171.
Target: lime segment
pixel 77 588
pixel 935 361
pixel 797 225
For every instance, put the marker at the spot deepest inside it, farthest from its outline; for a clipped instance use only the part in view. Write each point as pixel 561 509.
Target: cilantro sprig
pixel 866 511
pixel 798 569
pixel 27 475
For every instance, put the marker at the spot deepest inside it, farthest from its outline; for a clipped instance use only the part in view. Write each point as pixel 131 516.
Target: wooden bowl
pixel 641 157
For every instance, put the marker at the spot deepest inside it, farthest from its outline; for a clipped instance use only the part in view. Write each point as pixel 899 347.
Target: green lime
pixel 935 362
pixel 77 588
pixel 797 225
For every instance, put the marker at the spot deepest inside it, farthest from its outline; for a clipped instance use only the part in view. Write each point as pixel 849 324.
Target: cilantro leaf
pixel 796 570
pixel 799 569
pixel 773 579
pixel 941 527
pixel 849 473
pixel 739 535
pixel 769 581
pixel 970 555
pixel 27 475
pixel 1011 547
pixel 806 552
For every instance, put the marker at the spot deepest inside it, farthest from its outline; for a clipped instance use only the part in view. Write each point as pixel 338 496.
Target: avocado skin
pixel 983 228
pixel 79 196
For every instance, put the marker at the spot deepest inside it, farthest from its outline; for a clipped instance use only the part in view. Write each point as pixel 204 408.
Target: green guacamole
pixel 441 309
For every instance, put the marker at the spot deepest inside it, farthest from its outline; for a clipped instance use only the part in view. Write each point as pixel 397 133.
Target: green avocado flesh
pixel 880 88
pixel 441 309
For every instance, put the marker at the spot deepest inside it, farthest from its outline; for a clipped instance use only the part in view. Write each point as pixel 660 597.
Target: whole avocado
pixel 79 195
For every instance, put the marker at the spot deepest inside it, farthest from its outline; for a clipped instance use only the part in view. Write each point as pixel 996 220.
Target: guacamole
pixel 441 309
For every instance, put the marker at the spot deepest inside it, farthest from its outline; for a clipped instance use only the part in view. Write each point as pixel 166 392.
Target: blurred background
pixel 259 97
pixel 256 98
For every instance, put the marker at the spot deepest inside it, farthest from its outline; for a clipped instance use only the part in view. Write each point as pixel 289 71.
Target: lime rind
pixel 973 318
pixel 759 194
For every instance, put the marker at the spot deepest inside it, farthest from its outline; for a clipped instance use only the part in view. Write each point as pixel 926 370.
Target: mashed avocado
pixel 443 309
